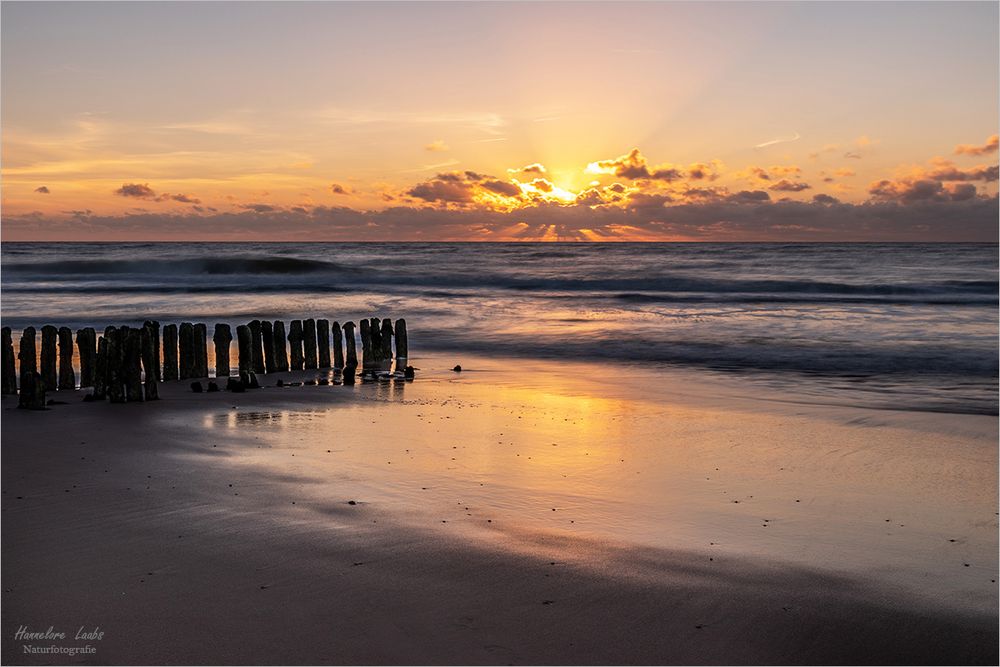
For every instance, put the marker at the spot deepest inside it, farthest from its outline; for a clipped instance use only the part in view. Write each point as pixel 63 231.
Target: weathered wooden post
pixel 351 362
pixel 366 345
pixel 258 346
pixel 154 332
pixel 133 365
pixel 86 342
pixel 201 350
pixel 67 378
pixel 32 396
pixel 386 345
pixel 244 339
pixel 186 345
pixel 116 378
pixel 376 333
pixel 267 338
pixel 309 342
pixel 323 342
pixel 48 357
pixel 280 347
pixel 9 384
pixel 295 344
pixel 150 361
pixel 170 352
pixel 402 351
pixel 26 359
pixel 101 369
pixel 338 347
pixel 222 337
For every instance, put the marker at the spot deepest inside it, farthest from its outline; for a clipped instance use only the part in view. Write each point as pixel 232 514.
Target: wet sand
pixel 519 512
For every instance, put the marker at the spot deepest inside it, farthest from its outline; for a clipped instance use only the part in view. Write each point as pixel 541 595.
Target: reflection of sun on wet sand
pixel 522 512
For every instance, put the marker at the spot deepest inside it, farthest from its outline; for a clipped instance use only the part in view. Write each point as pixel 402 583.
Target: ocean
pixel 894 326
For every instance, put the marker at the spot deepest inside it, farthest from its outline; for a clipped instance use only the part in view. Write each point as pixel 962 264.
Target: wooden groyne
pixel 125 364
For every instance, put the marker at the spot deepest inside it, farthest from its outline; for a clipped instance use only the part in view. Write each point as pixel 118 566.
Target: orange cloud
pixel 989 147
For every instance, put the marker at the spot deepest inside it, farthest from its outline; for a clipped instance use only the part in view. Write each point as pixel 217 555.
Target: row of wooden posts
pixel 125 363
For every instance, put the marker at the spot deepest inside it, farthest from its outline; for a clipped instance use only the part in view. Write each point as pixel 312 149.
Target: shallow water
pixel 902 326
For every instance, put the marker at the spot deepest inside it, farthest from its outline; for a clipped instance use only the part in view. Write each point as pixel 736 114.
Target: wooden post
pixel 351 362
pixel 244 339
pixel 9 375
pixel 401 345
pixel 170 352
pixel 295 344
pixel 267 338
pixel 67 378
pixel 116 379
pixel 338 347
pixel 222 337
pixel 257 346
pixel 48 357
pixel 386 355
pixel 26 359
pixel 376 333
pixel 150 362
pixel 323 341
pixel 154 332
pixel 101 370
pixel 200 351
pixel 86 342
pixel 186 340
pixel 366 345
pixel 309 343
pixel 280 347
pixel 32 396
pixel 132 338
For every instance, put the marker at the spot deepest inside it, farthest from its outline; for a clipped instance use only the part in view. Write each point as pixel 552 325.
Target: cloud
pixel 502 188
pixel 844 172
pixel 633 166
pixel 785 185
pixel 946 171
pixel 42 190
pixel 184 199
pixel 534 168
pixel 437 146
pixel 825 199
pixel 749 197
pixel 783 140
pixel 645 218
pixel 259 208
pixel 138 190
pixel 989 147
pixel 338 189
pixel 852 155
pixel 922 190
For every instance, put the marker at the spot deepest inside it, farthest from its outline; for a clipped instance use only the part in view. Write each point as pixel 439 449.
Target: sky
pixel 484 121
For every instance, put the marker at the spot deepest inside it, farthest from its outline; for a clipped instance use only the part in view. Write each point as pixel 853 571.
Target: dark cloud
pixel 42 189
pixel 749 197
pixel 949 172
pixel 502 188
pixel 259 208
pixel 989 147
pixel 920 190
pixel 633 166
pixel 139 190
pixel 929 219
pixel 785 185
pixel 445 191
pixel 184 199
pixel 825 199
pixel 338 189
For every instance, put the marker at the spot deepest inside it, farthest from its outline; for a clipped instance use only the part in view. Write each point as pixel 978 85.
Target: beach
pixel 519 512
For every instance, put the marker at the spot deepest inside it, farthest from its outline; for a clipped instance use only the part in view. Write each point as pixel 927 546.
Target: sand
pixel 518 512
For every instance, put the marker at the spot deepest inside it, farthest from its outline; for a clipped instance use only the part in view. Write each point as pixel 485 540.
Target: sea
pixel 882 325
